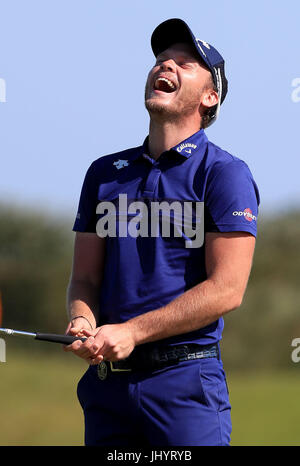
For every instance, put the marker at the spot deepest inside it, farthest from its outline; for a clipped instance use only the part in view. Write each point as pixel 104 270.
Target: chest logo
pixel 121 164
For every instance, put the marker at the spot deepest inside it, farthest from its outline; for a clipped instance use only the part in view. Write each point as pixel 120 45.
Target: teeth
pixel 172 86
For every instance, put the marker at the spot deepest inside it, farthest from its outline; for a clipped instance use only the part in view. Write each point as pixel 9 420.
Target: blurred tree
pixel 260 332
pixel 35 263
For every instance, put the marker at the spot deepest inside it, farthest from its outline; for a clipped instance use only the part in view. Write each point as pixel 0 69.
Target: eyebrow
pixel 182 55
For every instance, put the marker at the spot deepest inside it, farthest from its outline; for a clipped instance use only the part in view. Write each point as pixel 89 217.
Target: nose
pixel 168 65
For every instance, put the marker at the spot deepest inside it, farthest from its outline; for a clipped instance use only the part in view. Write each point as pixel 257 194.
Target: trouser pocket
pixel 214 384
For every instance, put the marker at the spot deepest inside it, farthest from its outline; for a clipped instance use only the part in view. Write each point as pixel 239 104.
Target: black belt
pixel 157 357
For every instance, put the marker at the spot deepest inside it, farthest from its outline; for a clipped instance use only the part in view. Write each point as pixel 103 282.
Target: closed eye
pixel 186 63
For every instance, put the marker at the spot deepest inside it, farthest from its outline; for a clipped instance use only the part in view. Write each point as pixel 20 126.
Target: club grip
pixel 63 339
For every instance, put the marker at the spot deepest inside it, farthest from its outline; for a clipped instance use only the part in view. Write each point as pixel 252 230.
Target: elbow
pixel 232 301
pixel 236 300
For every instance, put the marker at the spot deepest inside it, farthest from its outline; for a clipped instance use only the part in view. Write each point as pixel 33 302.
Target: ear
pixel 210 98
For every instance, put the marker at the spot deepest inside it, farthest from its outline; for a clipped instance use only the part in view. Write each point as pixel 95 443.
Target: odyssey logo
pixel 247 214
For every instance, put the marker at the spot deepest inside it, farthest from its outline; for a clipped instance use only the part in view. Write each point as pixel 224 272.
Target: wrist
pixel 81 321
pixel 131 327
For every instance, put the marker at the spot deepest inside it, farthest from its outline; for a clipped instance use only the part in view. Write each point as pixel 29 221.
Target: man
pixel 151 305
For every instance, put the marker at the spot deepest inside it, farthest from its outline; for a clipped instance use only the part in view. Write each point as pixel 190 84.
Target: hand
pixel 115 341
pixel 110 342
pixel 76 328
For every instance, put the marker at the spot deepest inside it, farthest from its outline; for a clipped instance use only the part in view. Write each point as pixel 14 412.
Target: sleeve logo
pixel 247 214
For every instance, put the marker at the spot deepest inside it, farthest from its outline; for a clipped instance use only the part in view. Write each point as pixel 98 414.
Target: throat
pixel 164 136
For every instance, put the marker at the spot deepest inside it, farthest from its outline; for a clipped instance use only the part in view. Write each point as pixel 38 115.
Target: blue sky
pixel 75 73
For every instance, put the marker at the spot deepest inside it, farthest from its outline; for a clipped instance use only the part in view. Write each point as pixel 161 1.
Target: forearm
pixel 83 300
pixel 194 309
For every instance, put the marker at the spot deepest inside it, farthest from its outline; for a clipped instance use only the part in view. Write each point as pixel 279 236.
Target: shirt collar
pixel 186 148
pixel 191 145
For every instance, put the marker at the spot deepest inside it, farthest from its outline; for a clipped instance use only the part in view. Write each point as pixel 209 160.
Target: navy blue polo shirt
pixel 144 273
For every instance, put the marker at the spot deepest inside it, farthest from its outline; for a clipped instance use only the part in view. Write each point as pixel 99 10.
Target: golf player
pixel 165 236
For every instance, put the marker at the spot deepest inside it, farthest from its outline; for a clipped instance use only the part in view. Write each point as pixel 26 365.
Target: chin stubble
pixel 183 108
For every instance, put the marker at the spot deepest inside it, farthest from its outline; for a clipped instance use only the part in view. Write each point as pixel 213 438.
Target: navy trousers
pixel 182 405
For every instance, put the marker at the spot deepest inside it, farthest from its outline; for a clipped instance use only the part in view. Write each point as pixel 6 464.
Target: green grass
pixel 265 408
pixel 38 399
pixel 39 404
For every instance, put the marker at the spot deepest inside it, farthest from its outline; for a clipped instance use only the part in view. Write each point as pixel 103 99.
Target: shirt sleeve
pixel 232 200
pixel 86 215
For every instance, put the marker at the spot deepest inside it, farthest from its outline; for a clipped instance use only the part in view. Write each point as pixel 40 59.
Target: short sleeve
pixel 86 215
pixel 232 199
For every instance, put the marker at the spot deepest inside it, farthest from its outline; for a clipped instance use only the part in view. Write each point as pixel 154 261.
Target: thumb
pixel 89 333
pixel 74 330
pixel 68 328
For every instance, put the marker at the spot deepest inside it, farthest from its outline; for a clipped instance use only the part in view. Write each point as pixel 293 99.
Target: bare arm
pixel 85 280
pixel 228 259
pixel 228 263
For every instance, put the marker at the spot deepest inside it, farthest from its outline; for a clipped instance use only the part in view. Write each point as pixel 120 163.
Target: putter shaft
pixel 63 339
pixel 17 333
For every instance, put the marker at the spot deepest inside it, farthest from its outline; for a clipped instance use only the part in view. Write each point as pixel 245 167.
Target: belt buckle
pixel 113 369
pixel 102 370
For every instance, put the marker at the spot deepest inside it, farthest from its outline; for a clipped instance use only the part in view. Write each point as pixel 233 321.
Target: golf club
pixel 52 337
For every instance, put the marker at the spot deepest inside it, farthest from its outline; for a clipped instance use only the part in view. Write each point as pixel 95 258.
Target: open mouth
pixel 164 85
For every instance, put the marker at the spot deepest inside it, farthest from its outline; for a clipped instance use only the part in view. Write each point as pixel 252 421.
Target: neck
pixel 167 134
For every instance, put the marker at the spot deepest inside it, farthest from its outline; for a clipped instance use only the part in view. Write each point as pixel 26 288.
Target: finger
pixel 74 347
pixel 68 328
pixel 88 349
pixel 75 330
pixel 110 353
pixel 88 354
pixel 81 348
pixel 89 333
pixel 95 361
pixel 98 354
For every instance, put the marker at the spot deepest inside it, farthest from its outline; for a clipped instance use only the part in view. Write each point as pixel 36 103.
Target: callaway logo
pixel 121 164
pixel 184 146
